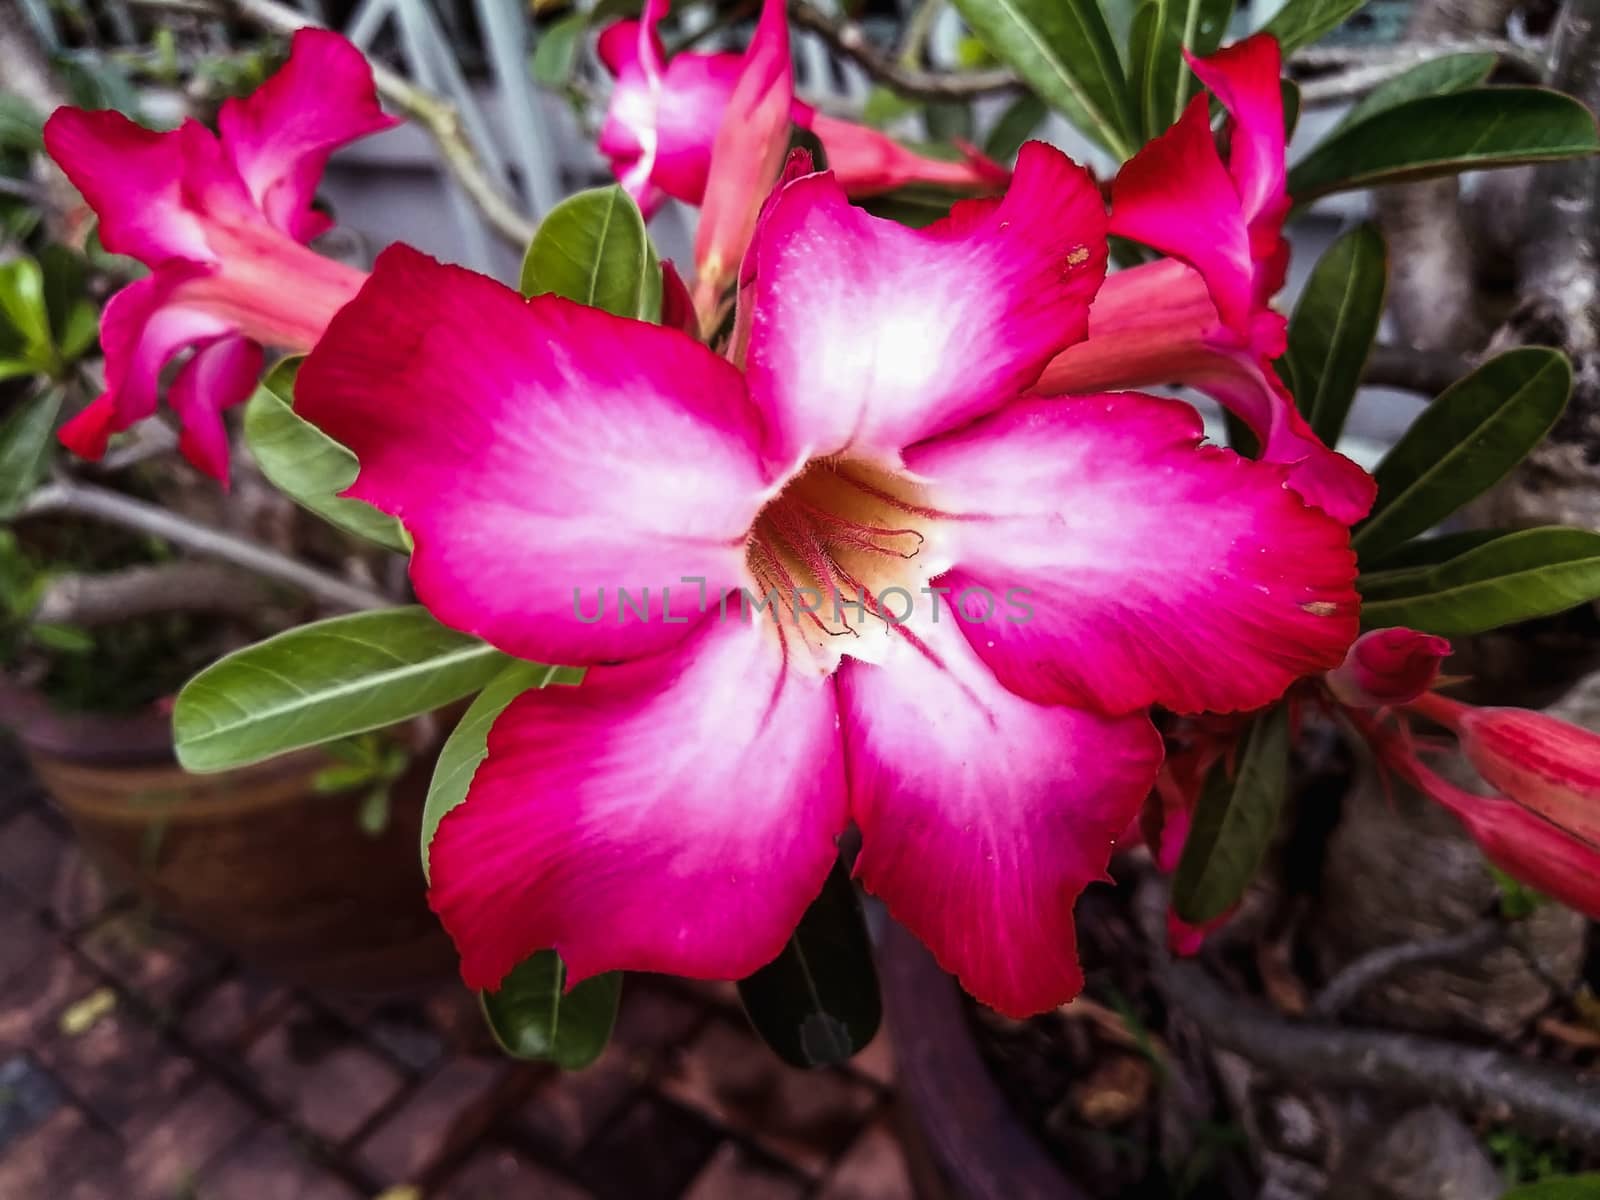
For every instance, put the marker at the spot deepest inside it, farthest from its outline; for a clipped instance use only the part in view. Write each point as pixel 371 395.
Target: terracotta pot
pixel 964 1140
pixel 252 859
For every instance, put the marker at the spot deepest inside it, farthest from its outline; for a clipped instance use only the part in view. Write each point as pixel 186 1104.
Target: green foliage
pixel 532 1016
pixel 25 448
pixel 1445 135
pixel 593 248
pixel 817 1003
pixel 1507 578
pixel 307 465
pixel 1162 29
pixel 1063 50
pixel 1333 328
pixel 1466 441
pixel 1301 22
pixel 1234 822
pixel 325 681
pixel 555 55
pixel 1436 77
pixel 1015 126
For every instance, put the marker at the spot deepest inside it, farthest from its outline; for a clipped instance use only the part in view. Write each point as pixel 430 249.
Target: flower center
pixel 845 553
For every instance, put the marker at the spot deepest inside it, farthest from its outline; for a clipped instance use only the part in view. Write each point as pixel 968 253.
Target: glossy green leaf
pixel 22 307
pixel 1234 823
pixel 532 1016
pixel 1015 126
pixel 1301 22
pixel 25 445
pixel 74 320
pixel 593 248
pixel 1463 443
pixel 1515 577
pixel 1161 78
pixel 555 56
pixel 21 126
pixel 1063 50
pixel 1445 135
pixel 468 742
pixel 323 681
pixel 1427 551
pixel 1562 1187
pixel 307 465
pixel 1333 328
pixel 1436 77
pixel 817 1003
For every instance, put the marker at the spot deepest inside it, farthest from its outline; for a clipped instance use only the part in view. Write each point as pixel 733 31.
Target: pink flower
pixel 1201 316
pixel 1543 850
pixel 220 220
pixel 1388 667
pixel 666 115
pixel 991 739
pixel 1548 766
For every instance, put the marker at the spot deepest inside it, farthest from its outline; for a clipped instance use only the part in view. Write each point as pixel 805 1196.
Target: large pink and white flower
pixel 220 219
pixel 665 115
pixel 978 594
pixel 1201 317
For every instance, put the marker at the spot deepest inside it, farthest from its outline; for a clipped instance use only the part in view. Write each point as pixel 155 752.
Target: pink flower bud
pixel 1548 766
pixel 1387 667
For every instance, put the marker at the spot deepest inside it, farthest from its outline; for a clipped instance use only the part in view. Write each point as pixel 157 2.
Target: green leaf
pixel 556 54
pixel 23 307
pixel 468 742
pixel 1015 126
pixel 1333 327
pixel 21 126
pixel 1063 50
pixel 73 319
pixel 1563 1187
pixel 1436 77
pixel 1445 135
pixel 25 446
pixel 1426 551
pixel 884 106
pixel 1469 439
pixel 1515 577
pixel 532 1015
pixel 1162 80
pixel 323 681
pixel 817 1003
pixel 1234 823
pixel 593 248
pixel 1301 22
pixel 307 465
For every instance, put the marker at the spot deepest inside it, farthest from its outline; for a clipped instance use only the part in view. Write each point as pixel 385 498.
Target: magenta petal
pixel 1245 78
pixel 280 136
pixel 869 336
pixel 539 452
pixel 133 178
pixel 676 814
pixel 1176 196
pixel 1157 570
pixel 217 377
pixel 696 89
pixel 982 815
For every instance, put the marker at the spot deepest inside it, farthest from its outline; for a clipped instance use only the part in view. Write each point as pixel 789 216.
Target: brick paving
pixel 137 1063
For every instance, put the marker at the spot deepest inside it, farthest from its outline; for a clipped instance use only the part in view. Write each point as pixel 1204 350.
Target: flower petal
pixel 1157 570
pixel 869 336
pixel 867 162
pixel 1155 325
pixel 674 814
pixel 982 815
pixel 1245 78
pixel 1176 196
pixel 280 136
pixel 538 452
pixel 133 178
pixel 218 376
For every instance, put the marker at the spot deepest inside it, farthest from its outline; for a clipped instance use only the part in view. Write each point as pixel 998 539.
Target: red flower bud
pixel 1387 667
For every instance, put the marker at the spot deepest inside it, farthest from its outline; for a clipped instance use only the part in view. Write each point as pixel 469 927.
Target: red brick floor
pixel 138 1064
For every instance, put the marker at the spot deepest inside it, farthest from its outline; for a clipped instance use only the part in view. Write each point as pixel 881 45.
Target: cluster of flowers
pixel 932 410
